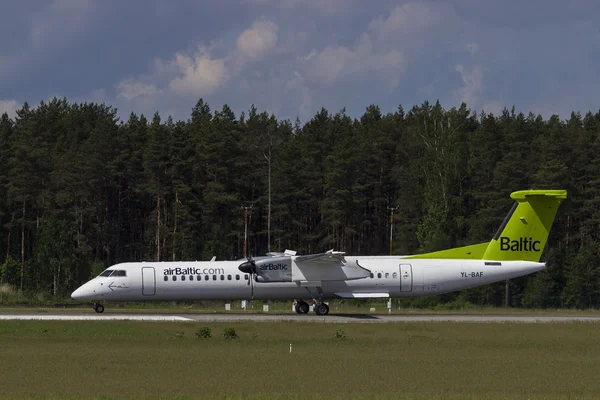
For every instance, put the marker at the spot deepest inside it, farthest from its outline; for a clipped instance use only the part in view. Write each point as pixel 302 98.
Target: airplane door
pixel 148 281
pixel 406 278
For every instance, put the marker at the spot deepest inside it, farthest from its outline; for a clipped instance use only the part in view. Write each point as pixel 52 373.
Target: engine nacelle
pixel 274 269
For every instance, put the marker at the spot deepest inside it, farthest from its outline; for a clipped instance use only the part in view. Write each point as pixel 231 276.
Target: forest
pixel 81 189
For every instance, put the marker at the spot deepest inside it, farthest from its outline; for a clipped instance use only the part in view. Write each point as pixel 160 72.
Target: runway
pixel 333 318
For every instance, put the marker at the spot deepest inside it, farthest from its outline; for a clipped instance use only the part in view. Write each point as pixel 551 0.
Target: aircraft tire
pixel 99 308
pixel 297 308
pixel 302 308
pixel 322 309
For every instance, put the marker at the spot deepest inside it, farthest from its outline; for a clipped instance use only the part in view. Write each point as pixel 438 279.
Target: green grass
pixel 110 359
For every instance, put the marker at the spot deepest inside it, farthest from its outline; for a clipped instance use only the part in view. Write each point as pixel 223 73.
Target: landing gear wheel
pixel 322 309
pixel 99 308
pixel 302 307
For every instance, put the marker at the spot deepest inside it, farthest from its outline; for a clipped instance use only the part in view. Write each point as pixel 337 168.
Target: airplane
pixel 514 251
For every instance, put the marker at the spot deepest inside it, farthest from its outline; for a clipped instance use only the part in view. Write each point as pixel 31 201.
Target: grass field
pixel 377 361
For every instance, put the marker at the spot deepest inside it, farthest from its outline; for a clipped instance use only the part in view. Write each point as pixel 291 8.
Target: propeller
pixel 249 267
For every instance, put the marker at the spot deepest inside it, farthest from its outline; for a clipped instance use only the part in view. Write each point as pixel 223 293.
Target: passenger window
pixel 379 274
pixel 387 275
pixel 191 277
pixel 198 278
pixel 228 277
pixel 372 276
pixel 166 278
pixel 222 277
pixel 183 277
pixel 395 275
pixel 214 277
pixel 205 277
pixel 174 277
pixel 237 277
pixel 246 277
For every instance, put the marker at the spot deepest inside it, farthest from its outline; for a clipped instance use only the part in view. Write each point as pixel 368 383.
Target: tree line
pixel 81 190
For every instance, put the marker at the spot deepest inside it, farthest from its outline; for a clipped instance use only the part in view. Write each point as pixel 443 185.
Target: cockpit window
pixel 114 272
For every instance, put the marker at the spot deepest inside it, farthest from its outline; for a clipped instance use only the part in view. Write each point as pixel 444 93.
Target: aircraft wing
pixel 328 257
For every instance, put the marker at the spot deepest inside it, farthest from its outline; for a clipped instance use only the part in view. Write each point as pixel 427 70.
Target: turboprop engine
pixel 271 269
pixel 287 267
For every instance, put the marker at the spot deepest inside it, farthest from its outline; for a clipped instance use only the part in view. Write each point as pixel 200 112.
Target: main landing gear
pixel 320 308
pixel 99 308
pixel 302 307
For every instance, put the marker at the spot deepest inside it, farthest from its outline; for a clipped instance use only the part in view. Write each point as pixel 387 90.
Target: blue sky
pixel 292 57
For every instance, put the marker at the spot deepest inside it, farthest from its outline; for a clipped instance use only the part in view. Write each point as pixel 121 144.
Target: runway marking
pixel 359 318
pixel 113 317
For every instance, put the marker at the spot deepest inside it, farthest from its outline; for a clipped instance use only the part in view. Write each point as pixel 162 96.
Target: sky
pixel 292 57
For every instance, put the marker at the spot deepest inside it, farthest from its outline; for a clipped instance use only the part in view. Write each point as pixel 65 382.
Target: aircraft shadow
pixel 355 316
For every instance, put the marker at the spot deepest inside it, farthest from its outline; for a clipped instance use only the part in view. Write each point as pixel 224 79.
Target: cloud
pixel 324 6
pixel 198 74
pixel 404 19
pixel 382 48
pixel 9 107
pixel 472 87
pixel 131 90
pixel 258 39
pixel 337 62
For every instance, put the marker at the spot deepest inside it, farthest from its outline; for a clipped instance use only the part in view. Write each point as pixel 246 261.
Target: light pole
pixel 392 209
pixel 246 208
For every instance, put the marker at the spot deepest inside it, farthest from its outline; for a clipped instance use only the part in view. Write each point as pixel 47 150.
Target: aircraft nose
pixel 83 292
pixel 77 294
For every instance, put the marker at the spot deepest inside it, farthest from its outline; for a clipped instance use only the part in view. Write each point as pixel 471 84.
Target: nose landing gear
pixel 99 308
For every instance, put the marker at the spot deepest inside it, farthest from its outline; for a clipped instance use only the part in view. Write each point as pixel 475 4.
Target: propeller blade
pixel 248 267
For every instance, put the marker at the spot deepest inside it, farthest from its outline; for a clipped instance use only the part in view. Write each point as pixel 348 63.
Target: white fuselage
pixel 392 276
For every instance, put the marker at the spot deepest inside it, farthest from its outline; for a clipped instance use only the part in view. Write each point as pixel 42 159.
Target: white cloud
pixel 130 90
pixel 472 87
pixel 258 39
pixel 404 19
pixel 9 107
pixel 373 51
pixel 324 6
pixel 199 74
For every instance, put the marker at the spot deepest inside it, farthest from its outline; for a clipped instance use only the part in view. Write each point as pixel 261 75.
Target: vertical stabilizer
pixel 524 232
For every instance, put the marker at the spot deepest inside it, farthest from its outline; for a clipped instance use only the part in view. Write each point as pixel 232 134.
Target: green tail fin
pixel 523 234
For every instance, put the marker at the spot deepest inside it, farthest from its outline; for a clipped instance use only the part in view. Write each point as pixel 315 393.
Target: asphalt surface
pixel 332 318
